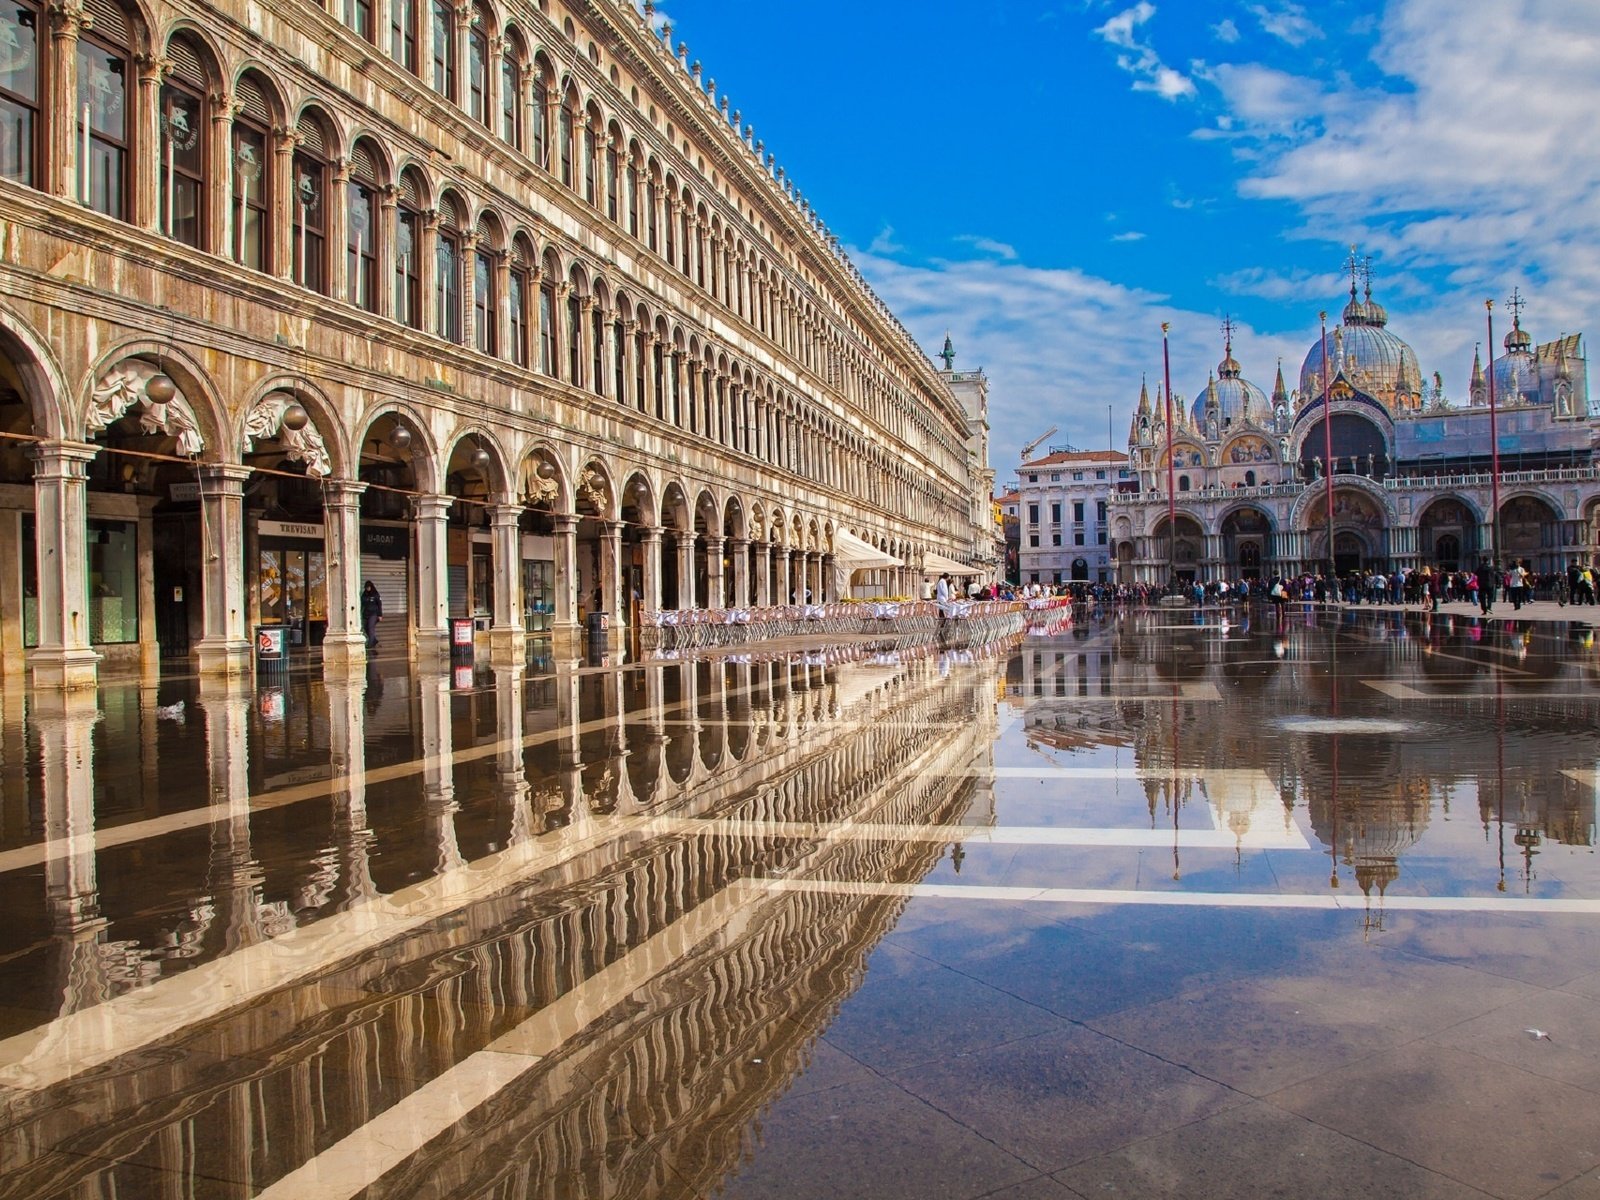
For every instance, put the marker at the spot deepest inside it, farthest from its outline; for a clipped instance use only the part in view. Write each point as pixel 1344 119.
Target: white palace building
pixel 497 304
pixel 1412 473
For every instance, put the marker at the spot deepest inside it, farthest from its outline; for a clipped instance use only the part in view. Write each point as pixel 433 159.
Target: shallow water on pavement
pixel 1153 903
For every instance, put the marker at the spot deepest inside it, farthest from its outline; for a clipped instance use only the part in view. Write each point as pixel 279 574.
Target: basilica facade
pixel 1412 474
pixel 498 306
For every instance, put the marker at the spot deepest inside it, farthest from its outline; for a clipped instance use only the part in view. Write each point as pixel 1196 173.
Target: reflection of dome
pixel 1234 394
pixel 1374 360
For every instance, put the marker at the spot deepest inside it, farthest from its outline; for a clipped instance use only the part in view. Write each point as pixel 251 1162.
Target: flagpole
pixel 1172 500
pixel 1327 448
pixel 1494 446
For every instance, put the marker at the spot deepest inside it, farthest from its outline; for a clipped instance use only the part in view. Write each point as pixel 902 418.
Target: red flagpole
pixel 1494 446
pixel 1327 445
pixel 1172 500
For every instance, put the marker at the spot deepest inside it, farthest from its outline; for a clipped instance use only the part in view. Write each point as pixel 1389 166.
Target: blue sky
pixel 1051 181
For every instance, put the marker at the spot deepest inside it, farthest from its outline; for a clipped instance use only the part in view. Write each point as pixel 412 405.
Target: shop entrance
pixel 293 589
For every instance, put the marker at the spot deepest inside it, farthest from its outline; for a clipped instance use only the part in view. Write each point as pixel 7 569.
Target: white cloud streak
pixel 1139 58
pixel 1287 22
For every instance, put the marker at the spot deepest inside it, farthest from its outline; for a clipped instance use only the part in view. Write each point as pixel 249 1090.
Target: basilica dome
pixel 1234 394
pixel 1517 370
pixel 1373 359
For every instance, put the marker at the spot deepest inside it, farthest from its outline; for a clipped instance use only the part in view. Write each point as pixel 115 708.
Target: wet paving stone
pixel 1148 904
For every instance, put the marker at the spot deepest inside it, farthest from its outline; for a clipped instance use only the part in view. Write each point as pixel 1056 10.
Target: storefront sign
pixel 385 541
pixel 184 491
pixel 291 529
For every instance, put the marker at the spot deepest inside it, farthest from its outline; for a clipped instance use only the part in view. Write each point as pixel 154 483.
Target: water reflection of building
pixel 777 753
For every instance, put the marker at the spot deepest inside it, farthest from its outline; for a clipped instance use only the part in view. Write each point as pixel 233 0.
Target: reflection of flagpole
pixel 1494 446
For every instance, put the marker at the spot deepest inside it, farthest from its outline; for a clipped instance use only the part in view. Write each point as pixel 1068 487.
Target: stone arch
pixel 493 469
pixel 261 418
pixel 115 386
pixel 639 494
pixel 593 487
pixel 315 110
pixel 542 478
pixel 734 524
pixel 423 449
pixel 45 387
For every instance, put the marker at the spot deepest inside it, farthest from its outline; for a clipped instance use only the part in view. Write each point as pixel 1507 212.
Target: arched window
pixel 518 298
pixel 447 272
pixel 1249 479
pixel 670 248
pixel 408 250
pixel 547 321
pixel 403 16
pixel 486 290
pixel 478 66
pixel 511 92
pixel 252 175
pixel 310 204
pixel 633 197
pixel 184 120
pixel 591 163
pixel 444 48
pixel 652 209
pixel 576 299
pixel 564 135
pixel 361 234
pixel 104 115
pixel 619 356
pixel 641 350
pixel 597 343
pixel 613 178
pixel 1183 483
pixel 659 353
pixel 541 114
pixel 358 16
pixel 21 84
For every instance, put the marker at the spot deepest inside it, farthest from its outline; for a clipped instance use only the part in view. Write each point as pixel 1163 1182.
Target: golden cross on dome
pixel 1516 304
pixel 1227 331
pixel 1353 265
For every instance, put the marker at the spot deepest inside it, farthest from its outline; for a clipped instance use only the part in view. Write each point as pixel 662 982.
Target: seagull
pixel 170 712
pixel 1538 1035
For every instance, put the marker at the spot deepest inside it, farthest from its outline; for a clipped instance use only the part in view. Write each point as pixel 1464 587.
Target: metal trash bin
pixel 599 624
pixel 461 630
pixel 272 652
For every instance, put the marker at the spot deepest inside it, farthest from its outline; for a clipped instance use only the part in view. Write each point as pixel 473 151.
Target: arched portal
pixel 1530 533
pixel 1447 535
pixel 1245 534
pixel 1179 546
pixel 477 582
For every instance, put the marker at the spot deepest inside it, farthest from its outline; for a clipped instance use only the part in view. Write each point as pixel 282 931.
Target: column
pixel 566 580
pixel 219 186
pixel 650 538
pixel 60 490
pixel 467 269
pixel 686 573
pixel 388 231
pixel 224 645
pixel 428 264
pixel 630 368
pixel 507 638
pixel 739 551
pixel 67 21
pixel 763 574
pixel 433 597
pixel 280 246
pixel 338 201
pixel 716 593
pixel 344 646
pixel 144 195
pixel 785 594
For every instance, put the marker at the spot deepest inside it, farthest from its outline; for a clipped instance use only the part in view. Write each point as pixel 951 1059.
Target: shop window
pixel 19 91
pixel 113 582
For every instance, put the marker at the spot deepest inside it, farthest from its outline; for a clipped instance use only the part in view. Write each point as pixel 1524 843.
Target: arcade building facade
pixel 498 306
pixel 1412 473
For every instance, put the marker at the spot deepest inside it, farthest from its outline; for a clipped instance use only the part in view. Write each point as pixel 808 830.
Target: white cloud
pixel 1139 59
pixel 1473 169
pixel 884 243
pixel 1286 21
pixel 988 245
pixel 1060 345
pixel 1131 235
pixel 1226 31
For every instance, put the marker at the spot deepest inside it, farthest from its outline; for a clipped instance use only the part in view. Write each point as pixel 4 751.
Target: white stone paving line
pixel 1500 905
pixel 1403 691
pixel 364 1156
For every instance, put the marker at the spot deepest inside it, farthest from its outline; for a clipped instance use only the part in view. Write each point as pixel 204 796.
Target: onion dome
pixel 1373 359
pixel 1234 395
pixel 1516 373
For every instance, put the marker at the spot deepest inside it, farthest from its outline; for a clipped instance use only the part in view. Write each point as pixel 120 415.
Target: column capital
pixel 505 514
pixel 738 543
pixel 432 507
pixel 57 456
pixel 565 523
pixel 651 534
pixel 342 492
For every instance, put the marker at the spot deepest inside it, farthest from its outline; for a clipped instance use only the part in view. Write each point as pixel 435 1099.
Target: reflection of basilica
pixel 1411 472
pixel 560 882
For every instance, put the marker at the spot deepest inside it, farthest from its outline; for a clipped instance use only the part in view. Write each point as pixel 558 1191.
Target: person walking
pixel 1487 578
pixel 371 612
pixel 941 596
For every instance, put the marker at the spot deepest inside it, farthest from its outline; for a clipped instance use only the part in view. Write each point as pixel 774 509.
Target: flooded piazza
pixel 1151 903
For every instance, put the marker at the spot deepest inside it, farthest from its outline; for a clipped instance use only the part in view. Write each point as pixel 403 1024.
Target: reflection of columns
pixel 611 597
pixel 785 594
pixel 66 753
pixel 763 574
pixel 686 580
pixel 716 593
pixel 739 550
pixel 507 638
pixel 233 876
pixel 344 644
pixel 432 632
pixel 347 760
pixel 565 539
pixel 224 646
pixel 60 491
pixel 512 779
pixel 438 773
pixel 650 538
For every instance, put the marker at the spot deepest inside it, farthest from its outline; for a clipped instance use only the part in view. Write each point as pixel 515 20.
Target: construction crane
pixel 1034 445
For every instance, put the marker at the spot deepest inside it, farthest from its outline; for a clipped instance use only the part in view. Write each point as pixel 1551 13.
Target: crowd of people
pixel 1428 586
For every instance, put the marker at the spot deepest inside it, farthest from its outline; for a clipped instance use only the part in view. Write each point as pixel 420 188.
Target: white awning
pixel 853 554
pixel 934 563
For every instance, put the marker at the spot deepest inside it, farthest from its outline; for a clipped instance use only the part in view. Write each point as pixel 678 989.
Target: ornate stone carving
pixel 592 486
pixel 123 388
pixel 299 445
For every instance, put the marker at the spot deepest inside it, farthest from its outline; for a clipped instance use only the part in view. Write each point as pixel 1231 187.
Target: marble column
pixel 651 540
pixel 432 629
pixel 564 629
pixel 763 574
pixel 345 645
pixel 716 590
pixel 507 637
pixel 739 551
pixel 785 595
pixel 64 658
pixel 611 596
pixel 687 597
pixel 224 645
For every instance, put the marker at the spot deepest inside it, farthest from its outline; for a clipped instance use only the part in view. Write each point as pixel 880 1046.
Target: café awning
pixel 853 554
pixel 934 563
